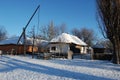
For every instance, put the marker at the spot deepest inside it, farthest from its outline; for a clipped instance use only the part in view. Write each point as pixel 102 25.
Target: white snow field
pixel 26 68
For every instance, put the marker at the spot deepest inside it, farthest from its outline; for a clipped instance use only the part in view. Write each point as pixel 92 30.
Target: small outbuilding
pixel 101 52
pixel 9 46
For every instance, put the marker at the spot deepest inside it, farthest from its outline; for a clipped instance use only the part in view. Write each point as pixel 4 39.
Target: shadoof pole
pixel 23 33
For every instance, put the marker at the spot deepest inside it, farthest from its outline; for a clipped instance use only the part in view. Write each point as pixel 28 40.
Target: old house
pixel 66 43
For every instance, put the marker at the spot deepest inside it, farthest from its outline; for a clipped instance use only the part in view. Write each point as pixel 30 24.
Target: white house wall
pixel 60 48
pixel 84 50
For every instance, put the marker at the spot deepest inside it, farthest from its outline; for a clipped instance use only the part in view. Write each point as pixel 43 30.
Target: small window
pixel 53 48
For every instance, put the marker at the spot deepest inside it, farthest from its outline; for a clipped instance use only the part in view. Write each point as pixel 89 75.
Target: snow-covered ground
pixel 26 68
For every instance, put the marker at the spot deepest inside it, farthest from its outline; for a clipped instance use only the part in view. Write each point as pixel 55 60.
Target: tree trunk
pixel 116 53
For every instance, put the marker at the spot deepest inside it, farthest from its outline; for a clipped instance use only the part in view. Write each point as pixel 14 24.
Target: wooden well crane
pixel 24 30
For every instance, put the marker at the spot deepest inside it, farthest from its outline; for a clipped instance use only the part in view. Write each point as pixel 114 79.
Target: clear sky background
pixel 14 14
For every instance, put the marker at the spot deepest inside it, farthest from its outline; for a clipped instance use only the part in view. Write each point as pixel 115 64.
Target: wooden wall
pixel 8 48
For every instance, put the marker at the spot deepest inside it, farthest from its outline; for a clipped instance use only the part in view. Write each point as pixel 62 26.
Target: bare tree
pixel 44 32
pixel 51 31
pixel 76 32
pixel 63 28
pixel 59 29
pixel 48 32
pixel 87 35
pixel 108 16
pixel 3 33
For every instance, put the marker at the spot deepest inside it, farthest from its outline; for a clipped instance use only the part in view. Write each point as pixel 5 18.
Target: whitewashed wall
pixel 60 48
pixel 84 50
pixel 0 52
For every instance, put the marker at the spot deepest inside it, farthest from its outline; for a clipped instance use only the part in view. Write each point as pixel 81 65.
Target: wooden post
pixel 33 49
pixel 24 39
pixel 33 42
pixel 1 53
pixel 70 55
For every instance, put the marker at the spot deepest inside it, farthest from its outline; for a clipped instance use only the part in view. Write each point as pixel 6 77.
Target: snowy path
pixel 25 68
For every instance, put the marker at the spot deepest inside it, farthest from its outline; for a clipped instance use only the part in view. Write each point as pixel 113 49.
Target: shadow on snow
pixel 12 64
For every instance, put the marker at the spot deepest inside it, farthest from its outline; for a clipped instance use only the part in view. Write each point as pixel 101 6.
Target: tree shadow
pixel 12 64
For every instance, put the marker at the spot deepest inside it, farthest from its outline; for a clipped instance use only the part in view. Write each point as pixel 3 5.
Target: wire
pixel 38 21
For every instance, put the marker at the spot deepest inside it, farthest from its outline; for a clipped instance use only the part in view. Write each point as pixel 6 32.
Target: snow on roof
pixel 10 41
pixel 37 42
pixel 29 41
pixel 98 45
pixel 67 38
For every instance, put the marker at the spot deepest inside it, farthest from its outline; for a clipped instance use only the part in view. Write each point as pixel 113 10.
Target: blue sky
pixel 14 14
